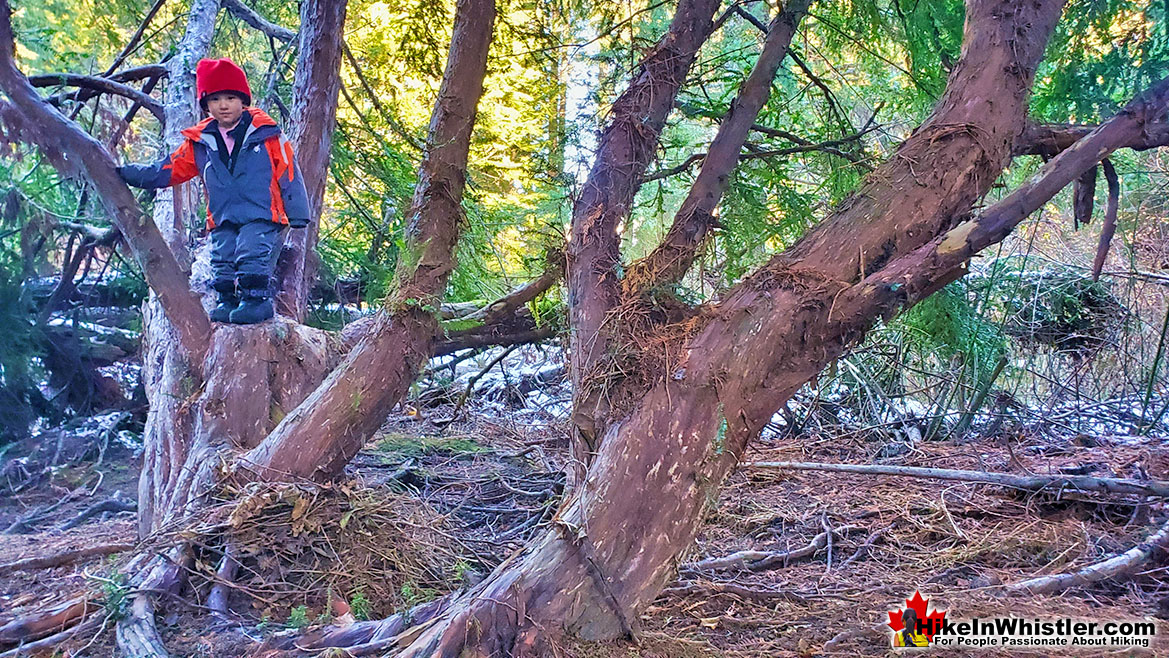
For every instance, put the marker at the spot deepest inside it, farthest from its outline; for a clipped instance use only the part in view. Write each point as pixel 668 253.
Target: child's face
pixel 226 108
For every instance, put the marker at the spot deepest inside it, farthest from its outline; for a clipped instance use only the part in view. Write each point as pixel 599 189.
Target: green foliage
pixel 115 595
pixel 359 605
pixel 948 325
pixel 1052 305
pixel 413 594
pixel 298 617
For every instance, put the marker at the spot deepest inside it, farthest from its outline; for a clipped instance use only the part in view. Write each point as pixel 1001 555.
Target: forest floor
pixel 464 494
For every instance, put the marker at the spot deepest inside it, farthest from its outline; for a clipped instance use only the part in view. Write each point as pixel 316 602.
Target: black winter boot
pixel 228 300
pixel 255 300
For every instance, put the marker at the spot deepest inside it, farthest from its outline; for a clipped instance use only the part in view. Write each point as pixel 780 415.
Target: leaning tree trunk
pixel 613 544
pixel 319 437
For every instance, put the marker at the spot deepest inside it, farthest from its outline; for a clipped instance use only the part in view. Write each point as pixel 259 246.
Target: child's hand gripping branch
pixel 254 189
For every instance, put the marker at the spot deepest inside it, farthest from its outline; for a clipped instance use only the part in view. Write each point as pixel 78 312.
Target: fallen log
pixel 1118 566
pixel 1029 482
pixel 63 558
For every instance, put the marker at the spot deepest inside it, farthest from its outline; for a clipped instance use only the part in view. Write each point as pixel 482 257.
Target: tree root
pixel 26 522
pixel 1115 567
pixel 112 504
pixel 217 599
pixel 763 560
pixel 136 633
pixel 62 558
pixel 366 636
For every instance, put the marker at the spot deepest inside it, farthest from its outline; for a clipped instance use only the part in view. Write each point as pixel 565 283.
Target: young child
pixel 254 189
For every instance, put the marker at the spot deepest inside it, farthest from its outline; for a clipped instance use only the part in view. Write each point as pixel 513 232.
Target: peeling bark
pixel 757 347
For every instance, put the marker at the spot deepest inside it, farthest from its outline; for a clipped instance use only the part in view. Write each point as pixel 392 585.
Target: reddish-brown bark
pixel 320 436
pixel 674 255
pixel 594 249
pixel 609 553
pixel 314 116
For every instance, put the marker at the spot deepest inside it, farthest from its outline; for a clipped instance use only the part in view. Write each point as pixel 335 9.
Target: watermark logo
pixel 917 623
pixel 920 624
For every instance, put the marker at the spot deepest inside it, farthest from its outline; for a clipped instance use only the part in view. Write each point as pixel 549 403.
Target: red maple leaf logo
pixel 931 622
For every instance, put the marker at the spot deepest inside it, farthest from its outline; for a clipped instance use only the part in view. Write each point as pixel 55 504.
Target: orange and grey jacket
pixel 265 182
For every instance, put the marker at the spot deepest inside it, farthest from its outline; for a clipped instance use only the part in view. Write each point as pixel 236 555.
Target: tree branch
pixel 100 85
pixel 132 44
pixel 72 149
pixel 253 18
pixel 625 148
pixel 672 258
pixel 1049 139
pixel 917 274
pixel 1026 482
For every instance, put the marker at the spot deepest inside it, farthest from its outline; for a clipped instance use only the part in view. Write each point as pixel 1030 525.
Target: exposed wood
pixel 1056 483
pixel 1120 566
pixel 504 306
pixel 30 648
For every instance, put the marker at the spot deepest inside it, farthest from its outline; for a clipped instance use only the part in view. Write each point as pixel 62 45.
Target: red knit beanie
pixel 216 75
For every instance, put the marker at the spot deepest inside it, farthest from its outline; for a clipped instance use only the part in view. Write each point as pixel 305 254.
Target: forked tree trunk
pixel 606 199
pixel 614 542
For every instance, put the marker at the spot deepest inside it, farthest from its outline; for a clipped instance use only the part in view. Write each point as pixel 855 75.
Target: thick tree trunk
pixel 318 438
pixel 614 542
pixel 594 251
pixel 314 116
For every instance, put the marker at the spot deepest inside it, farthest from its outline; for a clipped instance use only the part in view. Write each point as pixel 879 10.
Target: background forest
pixel 1055 343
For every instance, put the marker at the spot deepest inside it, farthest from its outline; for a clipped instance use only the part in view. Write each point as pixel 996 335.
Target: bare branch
pixel 132 44
pixel 253 18
pixel 1025 482
pixel 100 85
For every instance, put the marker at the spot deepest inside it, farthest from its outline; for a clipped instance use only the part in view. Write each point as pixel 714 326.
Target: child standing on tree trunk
pixel 254 189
